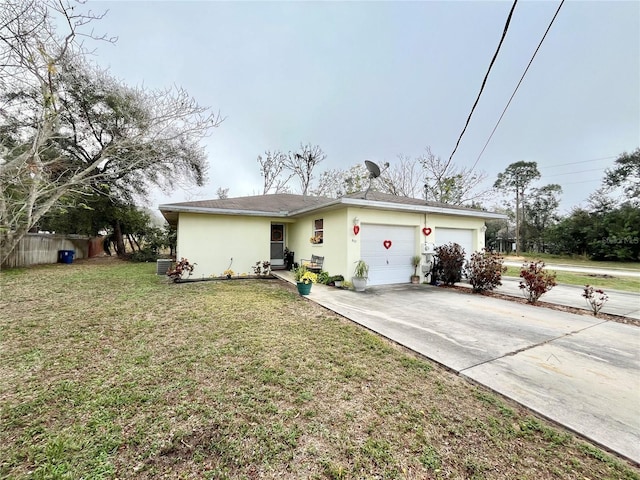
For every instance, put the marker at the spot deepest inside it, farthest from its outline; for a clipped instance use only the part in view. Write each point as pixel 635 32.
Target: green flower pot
pixel 304 288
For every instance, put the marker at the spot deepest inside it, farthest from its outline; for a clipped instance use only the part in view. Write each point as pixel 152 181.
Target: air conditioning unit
pixel 428 248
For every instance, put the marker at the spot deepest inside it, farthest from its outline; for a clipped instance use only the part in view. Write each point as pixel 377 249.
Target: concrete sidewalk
pixel 577 370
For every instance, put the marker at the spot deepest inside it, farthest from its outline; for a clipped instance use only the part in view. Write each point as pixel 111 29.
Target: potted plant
pixel 304 280
pixel 415 261
pixel 337 281
pixel 360 276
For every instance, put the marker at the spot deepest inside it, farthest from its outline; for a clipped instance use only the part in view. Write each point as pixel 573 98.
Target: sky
pixel 372 80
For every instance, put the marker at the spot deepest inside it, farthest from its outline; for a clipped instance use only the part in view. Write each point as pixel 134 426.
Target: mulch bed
pixel 579 311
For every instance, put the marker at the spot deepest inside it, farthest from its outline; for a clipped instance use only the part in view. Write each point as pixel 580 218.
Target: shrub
pixel 323 277
pixel 485 270
pixel 595 298
pixel 177 270
pixel 536 281
pixel 144 255
pixel 262 268
pixel 449 263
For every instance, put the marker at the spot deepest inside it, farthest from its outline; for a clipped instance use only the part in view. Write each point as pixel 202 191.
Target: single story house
pixel 386 231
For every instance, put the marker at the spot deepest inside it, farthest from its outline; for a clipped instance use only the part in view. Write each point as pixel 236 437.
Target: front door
pixel 277 244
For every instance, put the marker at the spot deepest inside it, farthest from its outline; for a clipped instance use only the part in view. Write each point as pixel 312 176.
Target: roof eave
pixel 221 211
pixel 357 202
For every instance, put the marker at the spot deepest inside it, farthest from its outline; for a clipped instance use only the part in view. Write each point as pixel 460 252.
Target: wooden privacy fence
pixel 39 248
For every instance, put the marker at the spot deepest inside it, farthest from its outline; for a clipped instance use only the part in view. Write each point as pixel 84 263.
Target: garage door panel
pixel 461 236
pixel 392 265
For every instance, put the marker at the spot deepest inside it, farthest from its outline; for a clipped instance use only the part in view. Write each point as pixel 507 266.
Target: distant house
pixel 384 230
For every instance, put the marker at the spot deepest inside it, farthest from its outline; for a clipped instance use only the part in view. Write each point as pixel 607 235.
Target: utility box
pixel 163 265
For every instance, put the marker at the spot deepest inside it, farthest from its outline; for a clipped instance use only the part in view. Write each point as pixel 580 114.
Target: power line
pixel 484 82
pixel 573 173
pixel 581 161
pixel 518 85
pixel 585 181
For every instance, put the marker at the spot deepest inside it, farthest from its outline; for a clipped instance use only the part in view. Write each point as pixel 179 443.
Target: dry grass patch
pixel 111 372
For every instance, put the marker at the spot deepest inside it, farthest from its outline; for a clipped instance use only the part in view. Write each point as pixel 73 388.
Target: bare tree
pixel 272 166
pixel 337 182
pixel 303 162
pixel 222 193
pixel 404 178
pixel 446 183
pixel 68 129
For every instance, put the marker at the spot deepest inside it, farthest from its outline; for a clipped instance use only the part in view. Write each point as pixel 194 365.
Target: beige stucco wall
pixel 336 235
pixel 212 240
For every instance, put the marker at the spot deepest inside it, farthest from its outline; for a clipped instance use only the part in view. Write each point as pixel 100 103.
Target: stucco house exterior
pixel 384 230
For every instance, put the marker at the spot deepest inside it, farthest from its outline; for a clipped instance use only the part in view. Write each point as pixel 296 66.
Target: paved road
pixel 577 370
pixel 626 304
pixel 614 272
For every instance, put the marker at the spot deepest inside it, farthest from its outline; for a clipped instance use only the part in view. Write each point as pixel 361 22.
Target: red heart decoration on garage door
pixel 426 231
pixel 387 244
pixel 356 229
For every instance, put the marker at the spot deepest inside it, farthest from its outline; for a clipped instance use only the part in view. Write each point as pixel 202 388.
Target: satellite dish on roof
pixel 374 170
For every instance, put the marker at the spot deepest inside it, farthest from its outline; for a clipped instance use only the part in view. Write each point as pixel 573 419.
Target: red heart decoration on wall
pixel 426 231
pixel 387 244
pixel 356 229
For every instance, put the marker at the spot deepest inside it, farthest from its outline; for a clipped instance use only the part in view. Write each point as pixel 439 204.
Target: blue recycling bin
pixel 66 256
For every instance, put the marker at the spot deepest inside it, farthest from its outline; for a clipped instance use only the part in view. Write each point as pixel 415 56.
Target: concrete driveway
pixel 578 371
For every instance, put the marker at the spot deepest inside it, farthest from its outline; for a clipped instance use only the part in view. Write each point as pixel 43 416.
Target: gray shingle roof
pixel 286 204
pixel 273 203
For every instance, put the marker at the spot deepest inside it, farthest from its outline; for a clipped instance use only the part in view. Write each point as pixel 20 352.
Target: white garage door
pixel 461 236
pixel 392 264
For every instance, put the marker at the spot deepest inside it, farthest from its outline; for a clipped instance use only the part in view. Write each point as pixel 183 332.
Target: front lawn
pixel 108 371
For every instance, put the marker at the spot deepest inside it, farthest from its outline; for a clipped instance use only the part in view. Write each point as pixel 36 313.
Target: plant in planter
pixel 360 276
pixel 304 279
pixel 337 281
pixel 416 260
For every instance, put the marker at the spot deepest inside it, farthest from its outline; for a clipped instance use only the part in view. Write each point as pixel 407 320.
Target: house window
pixel 318 231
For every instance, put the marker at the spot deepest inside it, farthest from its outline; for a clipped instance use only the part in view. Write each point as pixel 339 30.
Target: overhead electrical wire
pixel 573 173
pixel 576 163
pixel 518 85
pixel 484 82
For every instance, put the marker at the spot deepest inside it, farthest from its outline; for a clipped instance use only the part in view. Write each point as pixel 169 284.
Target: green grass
pixel 111 372
pixel 627 284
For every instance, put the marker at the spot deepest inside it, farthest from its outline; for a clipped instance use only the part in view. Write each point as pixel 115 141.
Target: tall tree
pixel 303 162
pixel 516 178
pixel 67 128
pixel 626 175
pixel 542 212
pixel 444 182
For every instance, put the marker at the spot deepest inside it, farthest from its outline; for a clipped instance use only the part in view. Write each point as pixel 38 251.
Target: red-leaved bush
pixel 536 281
pixel 485 270
pixel 596 298
pixel 177 271
pixel 449 261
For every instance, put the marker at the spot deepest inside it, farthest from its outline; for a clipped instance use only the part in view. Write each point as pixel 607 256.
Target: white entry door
pixel 388 250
